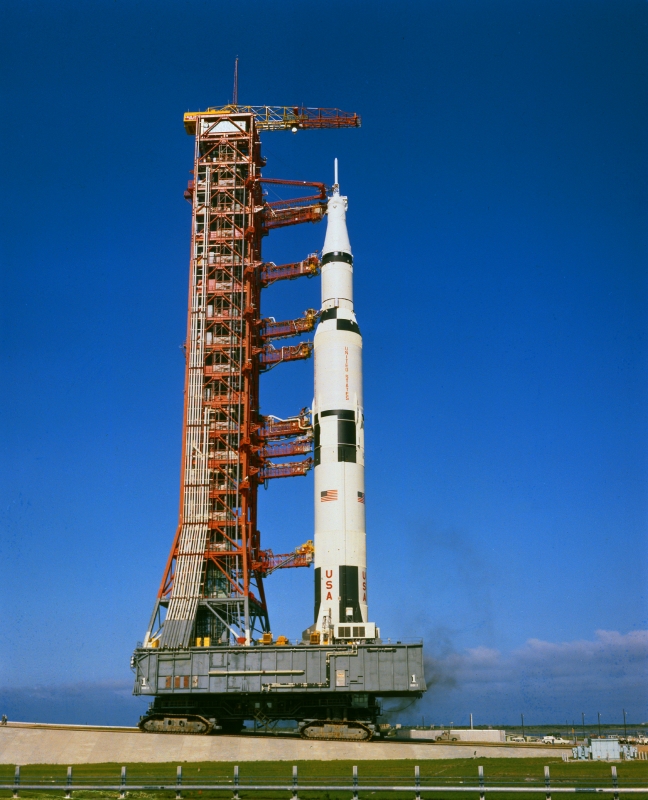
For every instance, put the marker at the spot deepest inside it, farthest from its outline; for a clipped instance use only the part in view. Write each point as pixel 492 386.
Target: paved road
pixel 23 744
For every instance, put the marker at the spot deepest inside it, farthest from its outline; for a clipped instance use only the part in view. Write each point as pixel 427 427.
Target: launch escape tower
pixel 208 658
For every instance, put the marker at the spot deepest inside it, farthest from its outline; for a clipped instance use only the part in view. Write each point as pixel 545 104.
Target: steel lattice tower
pixel 212 586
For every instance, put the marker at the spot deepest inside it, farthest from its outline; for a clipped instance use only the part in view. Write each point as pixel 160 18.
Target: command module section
pixel 331 691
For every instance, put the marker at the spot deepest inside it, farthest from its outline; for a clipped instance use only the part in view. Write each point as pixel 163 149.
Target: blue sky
pixel 497 212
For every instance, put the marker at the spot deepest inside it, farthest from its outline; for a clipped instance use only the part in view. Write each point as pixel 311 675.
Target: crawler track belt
pixel 191 724
pixel 329 730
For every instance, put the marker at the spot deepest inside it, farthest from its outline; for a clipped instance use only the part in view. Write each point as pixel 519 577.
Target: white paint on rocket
pixel 338 418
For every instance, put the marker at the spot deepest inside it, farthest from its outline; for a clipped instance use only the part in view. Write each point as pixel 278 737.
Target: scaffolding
pixel 212 587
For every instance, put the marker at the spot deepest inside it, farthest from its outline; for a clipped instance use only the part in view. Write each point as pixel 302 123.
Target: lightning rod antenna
pixel 335 175
pixel 235 92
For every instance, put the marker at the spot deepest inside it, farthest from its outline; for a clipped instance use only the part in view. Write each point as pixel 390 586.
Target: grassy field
pixel 505 771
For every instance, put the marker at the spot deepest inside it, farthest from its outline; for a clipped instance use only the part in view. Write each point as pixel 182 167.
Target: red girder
pixel 271 329
pixel 169 572
pixel 292 211
pixel 296 200
pixel 271 356
pixel 220 525
pixel 297 447
pixel 274 428
pixel 325 118
pixel 290 470
pixel 281 218
pixel 310 267
pixel 267 562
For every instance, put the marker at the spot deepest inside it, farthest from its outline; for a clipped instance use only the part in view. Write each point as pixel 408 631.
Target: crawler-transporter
pixel 209 660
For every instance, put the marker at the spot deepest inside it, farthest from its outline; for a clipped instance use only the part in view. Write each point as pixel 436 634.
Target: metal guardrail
pixel 235 785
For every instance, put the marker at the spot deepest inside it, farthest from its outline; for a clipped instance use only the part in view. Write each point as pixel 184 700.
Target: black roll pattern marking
pixel 349 594
pixel 329 313
pixel 318 591
pixel 348 325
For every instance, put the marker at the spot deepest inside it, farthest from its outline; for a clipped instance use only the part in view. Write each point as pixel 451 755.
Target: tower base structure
pixel 331 691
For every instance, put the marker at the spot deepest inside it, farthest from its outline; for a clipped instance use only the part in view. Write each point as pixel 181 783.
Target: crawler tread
pixel 183 731
pixel 359 726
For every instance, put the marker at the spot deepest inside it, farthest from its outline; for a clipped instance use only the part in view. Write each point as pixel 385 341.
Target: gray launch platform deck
pixel 379 669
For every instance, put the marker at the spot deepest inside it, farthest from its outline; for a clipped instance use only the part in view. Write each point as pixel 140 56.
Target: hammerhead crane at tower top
pixel 212 588
pixel 208 657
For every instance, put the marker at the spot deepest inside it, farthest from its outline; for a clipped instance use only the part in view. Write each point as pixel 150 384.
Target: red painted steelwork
pixel 274 428
pixel 268 561
pixel 291 470
pixel 294 201
pixel 271 356
pixel 296 447
pixel 282 217
pixel 271 329
pixel 310 267
pixel 212 585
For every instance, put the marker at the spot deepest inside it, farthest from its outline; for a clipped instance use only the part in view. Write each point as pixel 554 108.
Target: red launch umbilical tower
pixel 212 586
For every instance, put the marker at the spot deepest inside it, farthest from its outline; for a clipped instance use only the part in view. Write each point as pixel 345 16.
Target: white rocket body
pixel 338 420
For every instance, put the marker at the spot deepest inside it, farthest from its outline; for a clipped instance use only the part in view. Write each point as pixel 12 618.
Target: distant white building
pixel 461 735
pixel 605 750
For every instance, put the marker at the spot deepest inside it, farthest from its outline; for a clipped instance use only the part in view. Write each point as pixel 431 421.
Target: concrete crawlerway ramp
pixel 26 744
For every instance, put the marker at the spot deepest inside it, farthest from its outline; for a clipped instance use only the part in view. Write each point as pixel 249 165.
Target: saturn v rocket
pixel 338 422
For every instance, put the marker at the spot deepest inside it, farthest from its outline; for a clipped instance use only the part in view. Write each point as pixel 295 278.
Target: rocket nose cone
pixel 337 236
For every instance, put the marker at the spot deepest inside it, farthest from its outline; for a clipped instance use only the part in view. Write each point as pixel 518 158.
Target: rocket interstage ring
pixel 337 256
pixel 340 441
pixel 343 323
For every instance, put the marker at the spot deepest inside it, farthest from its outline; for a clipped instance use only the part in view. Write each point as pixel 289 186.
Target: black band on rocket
pixel 348 325
pixel 330 313
pixel 341 413
pixel 337 255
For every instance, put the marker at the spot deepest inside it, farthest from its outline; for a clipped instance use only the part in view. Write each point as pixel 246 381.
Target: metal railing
pixel 476 784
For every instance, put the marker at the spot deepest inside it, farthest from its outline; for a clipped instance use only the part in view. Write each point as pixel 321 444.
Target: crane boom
pixel 282 118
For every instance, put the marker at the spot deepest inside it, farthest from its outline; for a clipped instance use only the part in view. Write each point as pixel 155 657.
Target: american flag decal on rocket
pixel 328 495
pixel 361 497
